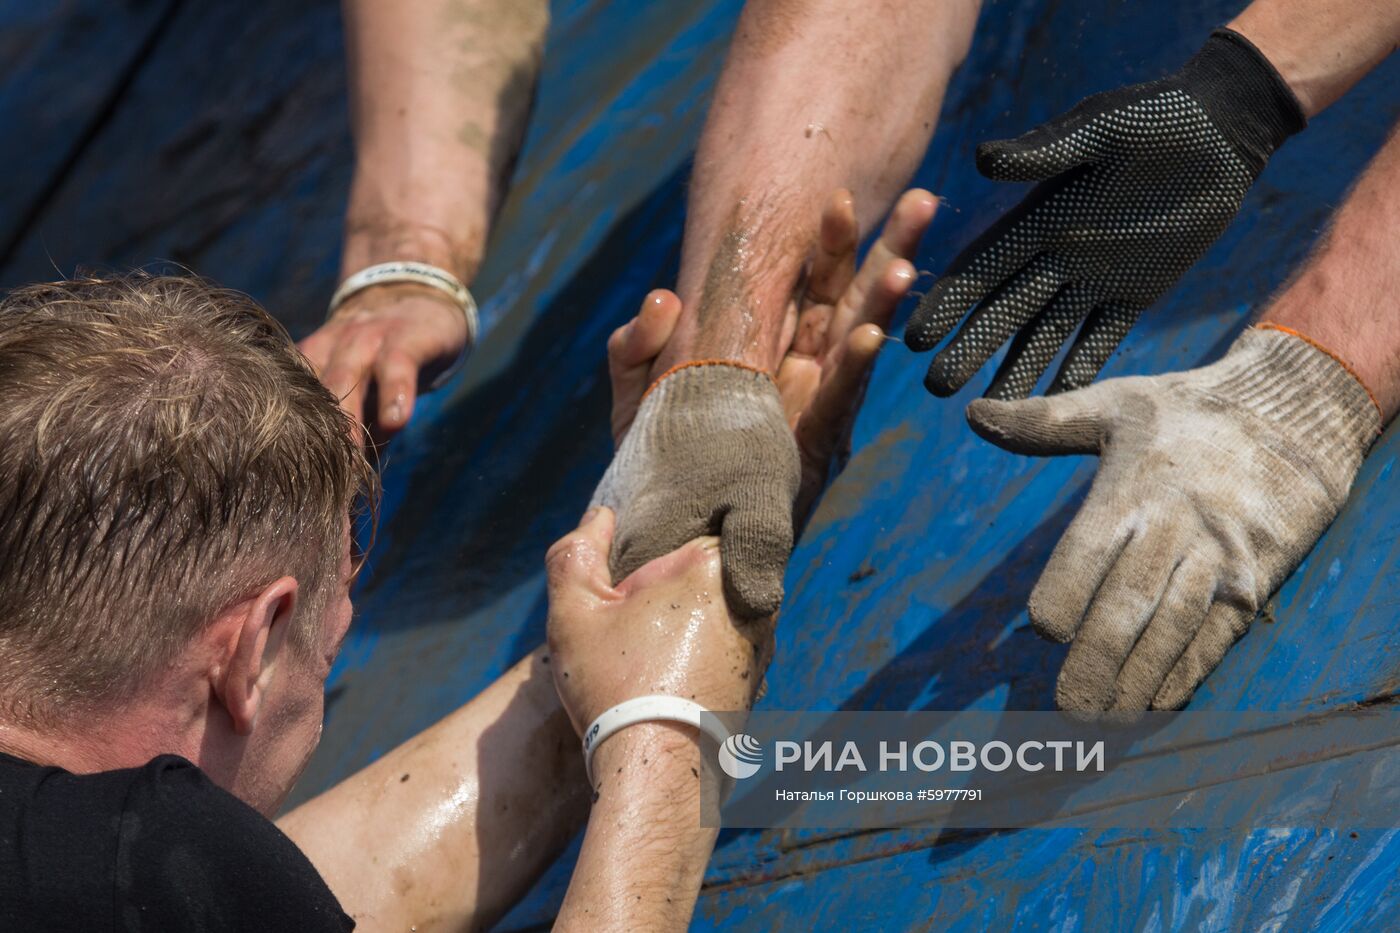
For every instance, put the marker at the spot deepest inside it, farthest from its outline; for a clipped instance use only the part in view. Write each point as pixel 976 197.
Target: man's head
pixel 175 497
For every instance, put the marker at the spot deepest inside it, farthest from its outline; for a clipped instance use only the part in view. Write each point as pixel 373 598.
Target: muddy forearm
pixel 1321 49
pixel 645 852
pixel 1344 296
pixel 450 829
pixel 440 93
pixel 816 95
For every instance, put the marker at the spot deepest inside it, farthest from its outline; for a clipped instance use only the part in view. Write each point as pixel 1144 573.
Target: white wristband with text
pixel 417 273
pixel 647 709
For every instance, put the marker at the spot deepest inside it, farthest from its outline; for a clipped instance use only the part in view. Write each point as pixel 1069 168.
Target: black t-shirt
pixel 159 847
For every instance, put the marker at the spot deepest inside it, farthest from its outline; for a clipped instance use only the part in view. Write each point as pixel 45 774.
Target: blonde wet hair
pixel 165 450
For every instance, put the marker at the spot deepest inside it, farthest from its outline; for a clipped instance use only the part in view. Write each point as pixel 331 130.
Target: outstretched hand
pixel 1212 486
pixel 839 327
pixel 1134 185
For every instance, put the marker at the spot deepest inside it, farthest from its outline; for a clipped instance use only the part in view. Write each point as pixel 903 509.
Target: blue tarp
pixel 214 134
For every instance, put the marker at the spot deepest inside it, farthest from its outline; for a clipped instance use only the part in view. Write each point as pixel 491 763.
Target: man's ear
pixel 258 639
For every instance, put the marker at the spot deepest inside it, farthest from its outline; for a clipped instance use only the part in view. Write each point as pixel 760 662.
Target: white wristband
pixel 647 709
pixel 417 273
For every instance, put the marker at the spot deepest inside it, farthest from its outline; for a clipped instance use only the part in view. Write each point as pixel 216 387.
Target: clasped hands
pixel 666 626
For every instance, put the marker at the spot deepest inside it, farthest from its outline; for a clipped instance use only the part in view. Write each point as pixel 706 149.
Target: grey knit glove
pixel 710 453
pixel 1213 484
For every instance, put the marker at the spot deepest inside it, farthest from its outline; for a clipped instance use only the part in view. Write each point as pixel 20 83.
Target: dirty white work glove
pixel 1213 484
pixel 710 453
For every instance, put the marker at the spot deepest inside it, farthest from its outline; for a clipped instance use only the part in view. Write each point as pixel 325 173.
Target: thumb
pixel 755 544
pixel 577 564
pixel 1069 423
pixel 1054 147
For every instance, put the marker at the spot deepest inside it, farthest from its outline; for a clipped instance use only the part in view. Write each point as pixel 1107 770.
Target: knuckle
pixel 339 379
pixel 558 552
pixel 570 553
pixel 394 358
pixel 617 338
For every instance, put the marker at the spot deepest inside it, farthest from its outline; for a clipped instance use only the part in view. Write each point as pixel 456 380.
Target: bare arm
pixel 645 850
pixel 644 854
pixel 1344 296
pixel 1321 49
pixel 448 830
pixel 440 92
pixel 665 630
pixel 441 89
pixel 816 95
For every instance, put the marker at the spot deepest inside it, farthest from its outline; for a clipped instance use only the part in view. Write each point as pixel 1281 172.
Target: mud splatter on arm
pixel 816 95
pixel 449 829
pixel 440 95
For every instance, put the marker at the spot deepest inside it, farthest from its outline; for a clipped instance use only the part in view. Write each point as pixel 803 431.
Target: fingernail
pixel 589 515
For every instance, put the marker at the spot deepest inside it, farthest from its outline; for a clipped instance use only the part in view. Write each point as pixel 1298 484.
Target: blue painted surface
pixel 213 133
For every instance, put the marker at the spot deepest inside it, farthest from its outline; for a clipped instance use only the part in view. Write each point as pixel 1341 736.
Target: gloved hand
pixel 1213 484
pixel 1135 185
pixel 717 449
pixel 709 453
